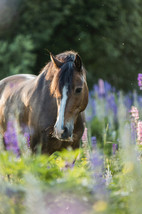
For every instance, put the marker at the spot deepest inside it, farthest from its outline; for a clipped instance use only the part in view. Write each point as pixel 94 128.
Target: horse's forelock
pixel 64 76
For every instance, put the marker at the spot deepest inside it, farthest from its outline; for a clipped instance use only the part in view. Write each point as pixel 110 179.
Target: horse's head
pixel 69 87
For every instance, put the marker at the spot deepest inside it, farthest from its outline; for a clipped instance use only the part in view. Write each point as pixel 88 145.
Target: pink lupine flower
pixel 135 125
pixel 134 113
pixel 139 132
pixel 84 136
pixel 101 87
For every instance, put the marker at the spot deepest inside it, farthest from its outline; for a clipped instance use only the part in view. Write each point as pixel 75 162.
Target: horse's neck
pixel 43 105
pixel 42 87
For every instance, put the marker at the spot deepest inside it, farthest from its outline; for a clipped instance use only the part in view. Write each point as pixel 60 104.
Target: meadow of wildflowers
pixel 103 176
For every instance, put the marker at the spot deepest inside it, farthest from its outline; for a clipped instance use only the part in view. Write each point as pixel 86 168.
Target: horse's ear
pixel 56 62
pixel 78 62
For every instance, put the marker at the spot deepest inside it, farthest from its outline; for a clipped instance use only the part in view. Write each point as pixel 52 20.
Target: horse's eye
pixel 78 90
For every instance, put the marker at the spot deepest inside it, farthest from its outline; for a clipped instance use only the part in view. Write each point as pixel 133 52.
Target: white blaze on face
pixel 61 112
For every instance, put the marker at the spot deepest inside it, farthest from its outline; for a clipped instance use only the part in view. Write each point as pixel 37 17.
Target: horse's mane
pixel 65 74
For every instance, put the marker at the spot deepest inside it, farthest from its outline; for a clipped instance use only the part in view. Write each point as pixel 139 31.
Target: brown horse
pixel 49 105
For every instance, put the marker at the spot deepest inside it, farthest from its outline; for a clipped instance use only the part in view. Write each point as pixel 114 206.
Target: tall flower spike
pixel 84 136
pixel 94 142
pixel 139 132
pixel 114 148
pixel 10 137
pixel 101 87
pixel 134 113
pixel 140 80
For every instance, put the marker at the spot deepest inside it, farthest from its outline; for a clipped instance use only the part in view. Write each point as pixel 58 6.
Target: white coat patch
pixel 61 112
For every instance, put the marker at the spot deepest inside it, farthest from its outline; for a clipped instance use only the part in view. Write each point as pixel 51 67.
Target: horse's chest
pixel 54 144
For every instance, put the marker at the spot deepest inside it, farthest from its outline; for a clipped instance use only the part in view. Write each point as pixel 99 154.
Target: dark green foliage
pixel 97 128
pixel 107 34
pixel 16 56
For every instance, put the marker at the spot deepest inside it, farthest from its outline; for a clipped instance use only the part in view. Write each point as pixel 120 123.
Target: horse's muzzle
pixel 64 135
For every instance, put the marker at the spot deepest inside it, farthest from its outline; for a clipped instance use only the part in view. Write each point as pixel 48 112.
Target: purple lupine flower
pixel 27 138
pixel 96 89
pixel 94 142
pixel 128 102
pixel 93 105
pixel 140 80
pixel 10 137
pixel 26 134
pixel 114 148
pixel 139 99
pixel 97 160
pixel 108 87
pixel 97 165
pixel 111 104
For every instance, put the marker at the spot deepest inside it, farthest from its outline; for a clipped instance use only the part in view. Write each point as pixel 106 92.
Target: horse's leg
pixel 34 143
pixel 4 144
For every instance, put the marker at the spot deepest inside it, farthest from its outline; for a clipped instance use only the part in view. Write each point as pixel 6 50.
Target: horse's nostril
pixel 65 129
pixel 65 133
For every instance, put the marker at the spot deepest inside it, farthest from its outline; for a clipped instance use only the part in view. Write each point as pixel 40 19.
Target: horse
pixel 50 105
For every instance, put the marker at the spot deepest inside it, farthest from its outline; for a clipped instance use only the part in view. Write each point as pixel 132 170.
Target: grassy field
pixel 106 176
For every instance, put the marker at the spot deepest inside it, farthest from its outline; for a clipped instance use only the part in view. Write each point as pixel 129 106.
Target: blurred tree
pixel 107 34
pixel 16 57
